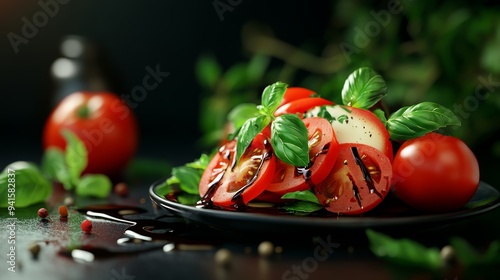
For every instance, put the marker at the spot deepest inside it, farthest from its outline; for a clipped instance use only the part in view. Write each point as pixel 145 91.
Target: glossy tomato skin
pixel 348 189
pixel 355 125
pixel 301 106
pixel 323 151
pixel 227 183
pixel 295 93
pixel 435 173
pixel 106 125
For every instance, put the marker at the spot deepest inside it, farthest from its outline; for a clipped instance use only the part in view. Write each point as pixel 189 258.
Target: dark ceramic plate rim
pixel 228 220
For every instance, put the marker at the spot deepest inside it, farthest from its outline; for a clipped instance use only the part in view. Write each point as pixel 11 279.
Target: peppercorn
pixel 86 226
pixel 43 213
pixel 63 211
pixel 121 189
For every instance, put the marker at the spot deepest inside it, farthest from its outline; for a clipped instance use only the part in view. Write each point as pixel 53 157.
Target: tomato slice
pixel 359 181
pixel 323 150
pixel 301 106
pixel 226 183
pixel 295 93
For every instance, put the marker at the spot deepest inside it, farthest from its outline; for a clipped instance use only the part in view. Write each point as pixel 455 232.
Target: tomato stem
pixel 83 112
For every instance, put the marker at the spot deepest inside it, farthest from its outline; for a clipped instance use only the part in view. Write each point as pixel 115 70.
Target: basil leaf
pixel 419 119
pixel 54 166
pixel 200 163
pixel 363 88
pixel 273 95
pixel 289 139
pixel 380 115
pixel 248 131
pixel 306 195
pixel 189 178
pixel 76 155
pixel 188 199
pixel 301 207
pixel 403 251
pixel 30 186
pixel 168 186
pixel 241 113
pixel 469 256
pixel 94 185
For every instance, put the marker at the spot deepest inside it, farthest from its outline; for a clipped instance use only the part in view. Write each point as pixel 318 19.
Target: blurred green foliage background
pixel 447 52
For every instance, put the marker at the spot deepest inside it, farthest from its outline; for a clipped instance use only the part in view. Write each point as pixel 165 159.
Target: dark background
pixel 132 35
pixel 458 41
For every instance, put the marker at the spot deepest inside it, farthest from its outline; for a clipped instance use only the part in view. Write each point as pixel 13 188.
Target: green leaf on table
pixel 248 131
pixel 301 207
pixel 273 95
pixel 363 88
pixel 188 178
pixel 419 119
pixel 403 251
pixel 54 166
pixel 468 256
pixel 94 185
pixel 241 113
pixel 289 139
pixel 30 186
pixel 306 195
pixel 76 155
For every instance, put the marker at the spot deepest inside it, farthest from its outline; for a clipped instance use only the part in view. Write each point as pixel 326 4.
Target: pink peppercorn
pixel 43 213
pixel 86 226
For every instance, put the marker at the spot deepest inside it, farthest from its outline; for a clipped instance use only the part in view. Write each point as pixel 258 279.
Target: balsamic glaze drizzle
pixel 366 174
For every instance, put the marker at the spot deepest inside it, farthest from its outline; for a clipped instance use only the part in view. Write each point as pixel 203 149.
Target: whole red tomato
pixel 435 173
pixel 106 125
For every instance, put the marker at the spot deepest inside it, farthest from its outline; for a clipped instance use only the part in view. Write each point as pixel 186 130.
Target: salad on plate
pixel 305 154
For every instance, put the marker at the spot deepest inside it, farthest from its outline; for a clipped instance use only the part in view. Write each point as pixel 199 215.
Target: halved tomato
pixel 323 150
pixel 355 125
pixel 301 106
pixel 230 183
pixel 359 181
pixel 295 93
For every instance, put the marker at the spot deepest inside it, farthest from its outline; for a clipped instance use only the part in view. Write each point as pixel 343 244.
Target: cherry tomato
pixel 103 122
pixel 227 184
pixel 323 150
pixel 301 106
pixel 359 181
pixel 435 173
pixel 295 93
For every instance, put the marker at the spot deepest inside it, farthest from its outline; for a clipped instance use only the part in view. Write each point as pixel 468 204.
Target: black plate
pixel 485 199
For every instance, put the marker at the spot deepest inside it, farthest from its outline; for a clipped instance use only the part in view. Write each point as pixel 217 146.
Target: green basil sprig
pixel 67 166
pixel 363 88
pixel 419 119
pixel 303 202
pixel 289 137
